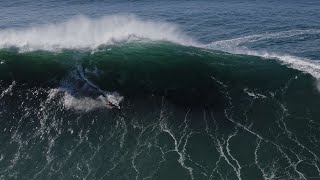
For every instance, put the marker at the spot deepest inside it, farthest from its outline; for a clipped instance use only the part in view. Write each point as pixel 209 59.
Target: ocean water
pixel 170 90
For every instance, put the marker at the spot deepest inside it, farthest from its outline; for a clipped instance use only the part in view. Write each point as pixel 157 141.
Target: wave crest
pixel 82 32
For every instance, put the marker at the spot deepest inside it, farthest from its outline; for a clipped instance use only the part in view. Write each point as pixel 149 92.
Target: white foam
pixel 72 98
pixel 82 32
pixel 222 44
pixel 8 90
pixel 81 104
pixel 235 46
pixel 254 95
pixel 302 64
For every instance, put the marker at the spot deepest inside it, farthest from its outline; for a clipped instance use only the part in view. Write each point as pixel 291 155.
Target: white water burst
pixel 81 104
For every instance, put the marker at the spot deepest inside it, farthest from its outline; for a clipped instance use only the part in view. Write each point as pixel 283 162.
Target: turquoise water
pixel 159 90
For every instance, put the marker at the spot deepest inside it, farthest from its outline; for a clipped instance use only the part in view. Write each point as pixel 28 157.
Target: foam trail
pixel 8 90
pixel 298 63
pixel 260 37
pixel 235 46
pixel 82 32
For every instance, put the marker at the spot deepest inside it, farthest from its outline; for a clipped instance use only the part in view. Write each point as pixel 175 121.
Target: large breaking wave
pixel 82 32
pixel 184 102
pixel 54 53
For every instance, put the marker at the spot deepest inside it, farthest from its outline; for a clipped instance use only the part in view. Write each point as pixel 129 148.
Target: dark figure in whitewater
pixel 110 99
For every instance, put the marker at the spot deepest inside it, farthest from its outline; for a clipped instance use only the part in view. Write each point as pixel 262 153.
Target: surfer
pixel 110 99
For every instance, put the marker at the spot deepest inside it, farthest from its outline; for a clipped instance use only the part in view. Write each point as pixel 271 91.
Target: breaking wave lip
pixel 82 32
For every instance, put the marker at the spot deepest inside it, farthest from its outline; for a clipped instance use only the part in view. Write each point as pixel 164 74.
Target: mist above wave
pixel 82 32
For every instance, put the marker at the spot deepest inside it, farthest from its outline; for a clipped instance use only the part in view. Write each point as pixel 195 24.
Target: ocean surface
pixel 166 90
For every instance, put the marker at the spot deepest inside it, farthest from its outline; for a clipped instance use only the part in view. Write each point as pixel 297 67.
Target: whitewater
pixel 82 32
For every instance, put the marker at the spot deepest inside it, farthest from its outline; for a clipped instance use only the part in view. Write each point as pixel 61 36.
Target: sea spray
pixel 81 32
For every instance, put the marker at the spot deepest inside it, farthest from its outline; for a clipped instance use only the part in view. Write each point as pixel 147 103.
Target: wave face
pixel 84 33
pixel 185 111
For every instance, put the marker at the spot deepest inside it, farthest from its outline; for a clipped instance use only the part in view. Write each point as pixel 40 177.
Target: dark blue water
pixel 180 89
